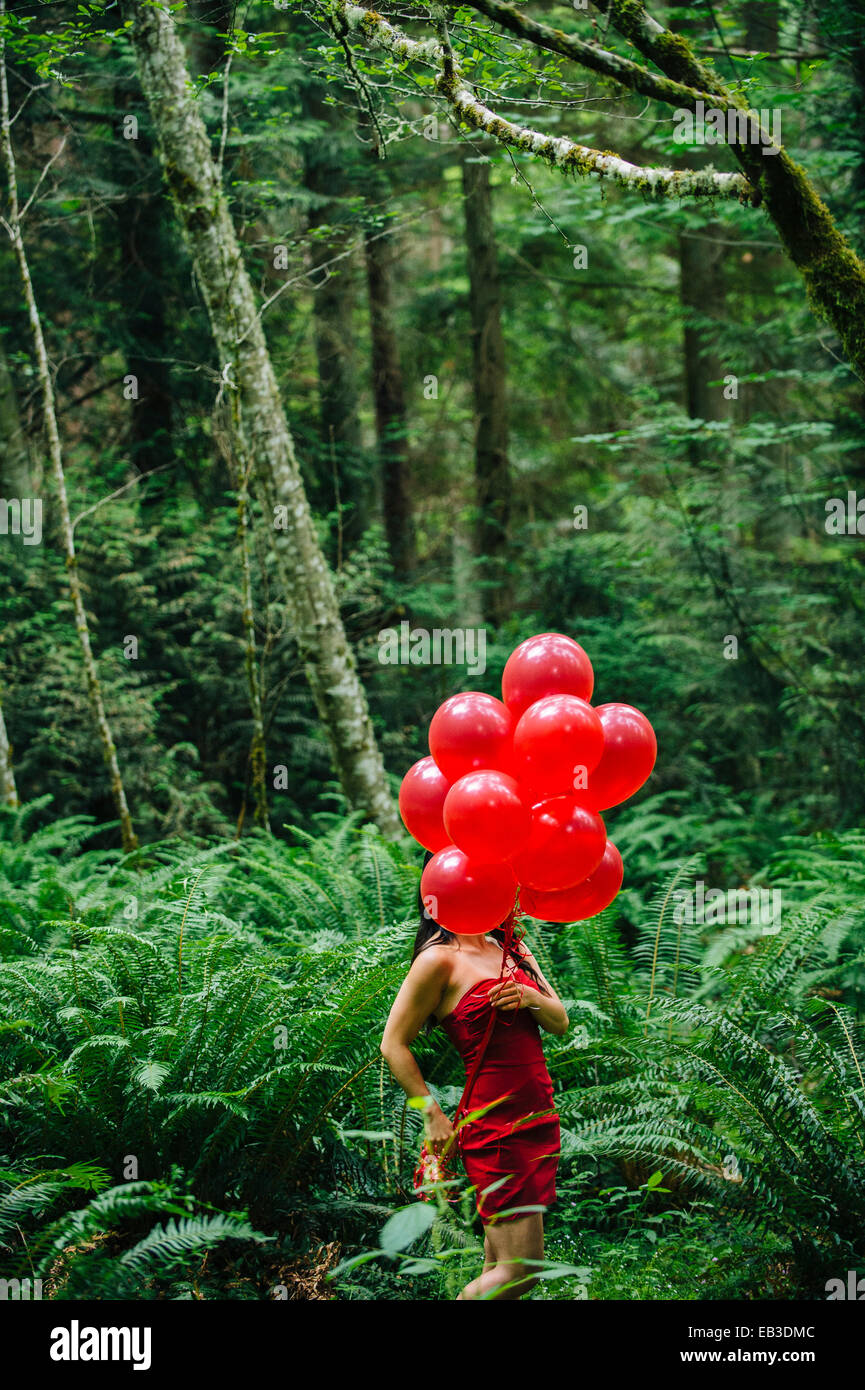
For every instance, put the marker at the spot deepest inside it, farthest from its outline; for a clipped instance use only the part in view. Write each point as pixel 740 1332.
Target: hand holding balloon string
pixel 510 995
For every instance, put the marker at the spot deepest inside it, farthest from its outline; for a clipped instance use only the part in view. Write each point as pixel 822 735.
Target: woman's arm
pixel 547 1009
pixel 419 996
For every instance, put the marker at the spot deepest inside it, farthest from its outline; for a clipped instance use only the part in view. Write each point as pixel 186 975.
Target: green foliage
pixel 198 1013
pixel 191 1065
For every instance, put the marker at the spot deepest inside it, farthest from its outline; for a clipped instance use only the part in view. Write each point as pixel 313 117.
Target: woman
pixel 513 1147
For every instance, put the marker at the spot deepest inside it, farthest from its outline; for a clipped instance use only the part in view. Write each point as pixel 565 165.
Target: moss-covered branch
pixel 558 151
pixel 565 154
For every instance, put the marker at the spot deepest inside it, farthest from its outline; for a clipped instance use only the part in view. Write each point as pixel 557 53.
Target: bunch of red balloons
pixel 511 794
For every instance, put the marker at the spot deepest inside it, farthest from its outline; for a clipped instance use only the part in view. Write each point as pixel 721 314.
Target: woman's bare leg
pixel 506 1247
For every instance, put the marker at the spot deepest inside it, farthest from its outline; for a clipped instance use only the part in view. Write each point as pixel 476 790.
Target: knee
pixel 504 1282
pixel 515 1279
pixel 525 1280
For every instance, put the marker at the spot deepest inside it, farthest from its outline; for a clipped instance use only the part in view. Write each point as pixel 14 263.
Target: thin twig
pixel 55 156
pixel 133 482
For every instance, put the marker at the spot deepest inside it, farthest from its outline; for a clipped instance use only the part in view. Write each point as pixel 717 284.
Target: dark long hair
pixel 429 933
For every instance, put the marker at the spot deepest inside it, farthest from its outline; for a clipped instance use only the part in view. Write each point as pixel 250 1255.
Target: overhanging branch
pixel 833 273
pixel 558 151
pixel 565 154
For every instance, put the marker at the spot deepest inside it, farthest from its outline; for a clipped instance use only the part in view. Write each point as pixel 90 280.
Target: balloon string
pixel 491 1023
pixel 507 950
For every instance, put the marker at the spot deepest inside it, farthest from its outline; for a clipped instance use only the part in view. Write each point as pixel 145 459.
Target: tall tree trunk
pixel 492 467
pixel 8 790
pixel 140 219
pixel 390 410
pixel 240 469
pixel 333 322
pixel 16 472
pixel 55 455
pixel 332 276
pixel 194 182
pixel 702 294
pixel 761 24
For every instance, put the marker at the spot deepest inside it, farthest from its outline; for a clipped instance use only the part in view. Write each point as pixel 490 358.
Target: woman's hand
pixel 509 995
pixel 438 1129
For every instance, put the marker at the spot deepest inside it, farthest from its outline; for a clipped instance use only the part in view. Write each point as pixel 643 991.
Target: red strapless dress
pixel 518 1139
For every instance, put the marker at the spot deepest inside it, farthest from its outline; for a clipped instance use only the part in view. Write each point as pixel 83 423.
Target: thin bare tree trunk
pixel 195 184
pixel 12 223
pixel 8 790
pixel 257 760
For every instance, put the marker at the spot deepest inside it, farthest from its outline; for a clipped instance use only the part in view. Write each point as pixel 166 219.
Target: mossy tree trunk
pixel 195 185
pixel 55 455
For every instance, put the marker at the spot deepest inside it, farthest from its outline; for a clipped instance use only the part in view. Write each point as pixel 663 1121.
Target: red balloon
pixel 565 845
pixel 585 900
pixel 630 750
pixel 421 801
pixel 550 664
pixel 470 732
pixel 466 897
pixel 555 738
pixel 485 816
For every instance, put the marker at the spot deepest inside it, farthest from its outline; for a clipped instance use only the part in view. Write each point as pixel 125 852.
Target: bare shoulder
pixel 433 965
